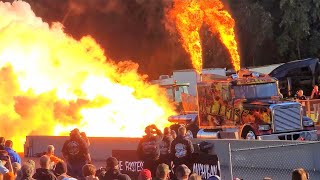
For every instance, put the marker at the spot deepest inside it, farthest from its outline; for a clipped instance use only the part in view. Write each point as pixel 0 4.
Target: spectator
pixel 181 149
pixel 165 147
pixel 182 172
pixel 300 96
pixel 14 157
pixel 60 170
pixel 112 172
pixel 149 148
pixel 26 172
pixel 33 165
pixel 300 174
pixel 44 173
pixel 194 176
pixel 50 152
pixel 2 141
pixel 315 94
pixel 76 153
pixel 163 172
pixel 89 172
pixel 5 161
pixel 16 168
pixel 173 134
pixel 85 138
pixel 145 174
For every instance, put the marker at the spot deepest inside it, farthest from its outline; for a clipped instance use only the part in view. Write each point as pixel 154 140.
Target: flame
pixel 51 83
pixel 221 21
pixel 189 15
pixel 188 18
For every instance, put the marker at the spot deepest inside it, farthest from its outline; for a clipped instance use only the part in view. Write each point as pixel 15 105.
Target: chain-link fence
pixel 276 162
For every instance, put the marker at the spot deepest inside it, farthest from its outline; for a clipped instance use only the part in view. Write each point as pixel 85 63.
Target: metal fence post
pixel 230 162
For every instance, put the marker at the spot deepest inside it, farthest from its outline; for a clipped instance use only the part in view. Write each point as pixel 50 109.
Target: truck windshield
pixel 255 91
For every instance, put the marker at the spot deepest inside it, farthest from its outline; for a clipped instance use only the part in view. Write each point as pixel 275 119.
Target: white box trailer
pixel 190 76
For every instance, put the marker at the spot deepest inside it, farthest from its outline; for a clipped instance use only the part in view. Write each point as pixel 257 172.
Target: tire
pixel 193 129
pixel 248 133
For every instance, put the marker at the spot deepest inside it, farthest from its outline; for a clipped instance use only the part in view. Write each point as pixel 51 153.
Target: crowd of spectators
pixel 165 158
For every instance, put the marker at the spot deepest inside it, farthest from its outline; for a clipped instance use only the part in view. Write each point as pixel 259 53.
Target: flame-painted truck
pixel 246 105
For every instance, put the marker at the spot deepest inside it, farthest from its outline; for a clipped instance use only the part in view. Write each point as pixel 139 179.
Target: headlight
pixel 264 127
pixel 307 123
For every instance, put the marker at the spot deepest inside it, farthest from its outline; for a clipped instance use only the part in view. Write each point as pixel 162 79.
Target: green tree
pixel 254 25
pixel 295 27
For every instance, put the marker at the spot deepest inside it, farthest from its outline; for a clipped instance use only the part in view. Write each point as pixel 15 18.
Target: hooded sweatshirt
pixel 44 174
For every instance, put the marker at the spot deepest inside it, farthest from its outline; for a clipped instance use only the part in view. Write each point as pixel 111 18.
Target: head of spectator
pixel 167 131
pixel 45 162
pixel 163 171
pixel 145 174
pixel 32 164
pixel 16 167
pixel 4 157
pixel 8 144
pixel 112 163
pixel 182 131
pixel 216 177
pixel 2 141
pixel 50 150
pixel 60 169
pixel 89 170
pixel 75 134
pixel 267 178
pixel 300 174
pixel 182 172
pixel 149 130
pixel 194 176
pixel 315 88
pixel 300 93
pixel 173 134
pixel 26 170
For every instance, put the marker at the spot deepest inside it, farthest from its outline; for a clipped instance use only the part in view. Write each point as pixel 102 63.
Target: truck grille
pixel 287 118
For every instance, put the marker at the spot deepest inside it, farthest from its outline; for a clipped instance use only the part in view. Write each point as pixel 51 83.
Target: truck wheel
pixel 192 130
pixel 248 133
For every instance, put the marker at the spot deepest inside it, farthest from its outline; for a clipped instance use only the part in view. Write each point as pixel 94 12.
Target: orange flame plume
pixel 221 21
pixel 189 16
pixel 51 83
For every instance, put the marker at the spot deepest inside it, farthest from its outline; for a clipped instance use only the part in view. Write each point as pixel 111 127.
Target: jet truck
pixel 246 105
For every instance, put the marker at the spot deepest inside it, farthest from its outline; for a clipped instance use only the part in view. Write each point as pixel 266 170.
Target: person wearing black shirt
pixel 149 148
pixel 315 94
pixel 112 172
pixel 76 153
pixel 181 149
pixel 300 96
pixel 165 145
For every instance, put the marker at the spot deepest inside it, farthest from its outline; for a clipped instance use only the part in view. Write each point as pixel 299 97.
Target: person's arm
pixel 9 164
pixel 191 148
pixel 64 151
pixel 312 94
pixel 88 157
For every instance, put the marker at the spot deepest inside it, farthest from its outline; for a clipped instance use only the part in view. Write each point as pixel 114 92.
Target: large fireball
pixel 51 83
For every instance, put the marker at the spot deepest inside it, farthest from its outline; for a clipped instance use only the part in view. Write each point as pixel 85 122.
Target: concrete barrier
pixel 246 156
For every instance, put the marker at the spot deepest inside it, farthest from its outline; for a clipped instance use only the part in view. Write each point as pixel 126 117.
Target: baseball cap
pixel 145 174
pixel 112 162
pixel 183 170
pixel 215 177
